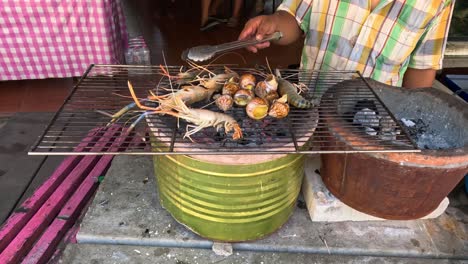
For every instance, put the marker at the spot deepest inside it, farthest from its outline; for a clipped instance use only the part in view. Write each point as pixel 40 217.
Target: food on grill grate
pixel 267 89
pixel 294 98
pixel 188 94
pixel 200 83
pixel 231 86
pixel 223 102
pixel 279 109
pixel 257 108
pixel 243 97
pixel 247 81
pixel 217 82
pixel 201 118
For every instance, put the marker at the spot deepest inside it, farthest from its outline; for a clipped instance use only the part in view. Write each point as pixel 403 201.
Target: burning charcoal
pixel 219 136
pixel 367 118
pixel 361 104
pixel 281 133
pixel 370 131
pixel 388 129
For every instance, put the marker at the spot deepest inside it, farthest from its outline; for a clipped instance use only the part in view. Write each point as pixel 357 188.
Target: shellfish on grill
pixel 231 86
pixel 280 108
pixel 224 102
pixel 243 97
pixel 257 108
pixel 267 89
pixel 247 81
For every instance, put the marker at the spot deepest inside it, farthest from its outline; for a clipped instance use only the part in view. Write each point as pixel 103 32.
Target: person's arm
pixel 416 78
pixel 428 55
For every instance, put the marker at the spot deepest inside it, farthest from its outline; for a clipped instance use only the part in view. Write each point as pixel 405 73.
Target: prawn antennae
pixel 268 65
pixel 170 82
pixel 135 98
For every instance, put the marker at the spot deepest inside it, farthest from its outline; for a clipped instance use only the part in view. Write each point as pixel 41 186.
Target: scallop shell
pixel 257 108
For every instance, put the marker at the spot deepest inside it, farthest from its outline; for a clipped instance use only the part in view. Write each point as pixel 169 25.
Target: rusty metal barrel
pixel 401 186
pixel 222 199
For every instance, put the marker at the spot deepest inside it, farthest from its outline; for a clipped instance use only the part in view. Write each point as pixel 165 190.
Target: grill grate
pixel 103 90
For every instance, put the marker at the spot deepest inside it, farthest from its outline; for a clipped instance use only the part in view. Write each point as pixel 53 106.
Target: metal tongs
pixel 206 52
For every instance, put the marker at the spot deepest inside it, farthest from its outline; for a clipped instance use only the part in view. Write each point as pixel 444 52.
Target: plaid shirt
pixel 382 44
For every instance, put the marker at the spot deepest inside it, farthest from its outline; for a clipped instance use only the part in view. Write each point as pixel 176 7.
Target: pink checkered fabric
pixel 55 38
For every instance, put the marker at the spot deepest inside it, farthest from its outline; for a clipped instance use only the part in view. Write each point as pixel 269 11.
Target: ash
pixel 368 118
pixel 424 136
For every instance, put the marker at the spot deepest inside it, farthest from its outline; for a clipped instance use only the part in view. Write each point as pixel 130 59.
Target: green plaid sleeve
pixel 429 51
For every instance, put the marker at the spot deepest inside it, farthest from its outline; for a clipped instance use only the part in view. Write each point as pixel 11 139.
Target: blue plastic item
pixel 458 84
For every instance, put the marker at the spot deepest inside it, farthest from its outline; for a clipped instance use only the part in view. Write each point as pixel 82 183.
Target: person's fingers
pixel 252 49
pixel 263 45
pixel 258 27
pixel 250 28
pixel 265 28
pixel 247 32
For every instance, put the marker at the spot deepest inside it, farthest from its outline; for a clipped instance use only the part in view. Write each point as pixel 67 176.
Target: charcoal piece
pixel 366 117
pixel 361 104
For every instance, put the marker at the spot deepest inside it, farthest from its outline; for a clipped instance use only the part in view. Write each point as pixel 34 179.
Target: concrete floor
pixel 20 174
pixel 127 221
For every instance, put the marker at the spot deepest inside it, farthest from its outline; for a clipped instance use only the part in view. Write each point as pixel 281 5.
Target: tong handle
pixel 245 43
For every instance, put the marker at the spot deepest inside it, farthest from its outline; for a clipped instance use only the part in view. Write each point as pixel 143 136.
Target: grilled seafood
pixel 188 94
pixel 231 86
pixel 280 108
pixel 257 108
pixel 224 102
pixel 217 82
pixel 247 81
pixel 201 118
pixel 243 97
pixel 294 99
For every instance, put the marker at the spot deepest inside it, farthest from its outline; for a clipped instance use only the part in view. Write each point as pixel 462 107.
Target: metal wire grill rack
pixel 329 127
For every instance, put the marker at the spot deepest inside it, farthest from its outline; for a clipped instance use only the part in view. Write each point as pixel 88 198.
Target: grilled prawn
pixel 201 118
pixel 294 99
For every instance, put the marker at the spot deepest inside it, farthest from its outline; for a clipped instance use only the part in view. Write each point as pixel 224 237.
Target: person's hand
pixel 258 27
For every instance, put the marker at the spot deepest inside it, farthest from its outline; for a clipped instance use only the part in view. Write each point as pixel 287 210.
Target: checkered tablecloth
pixel 56 38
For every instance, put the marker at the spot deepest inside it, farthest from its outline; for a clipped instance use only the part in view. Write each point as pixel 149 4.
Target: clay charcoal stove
pixel 398 186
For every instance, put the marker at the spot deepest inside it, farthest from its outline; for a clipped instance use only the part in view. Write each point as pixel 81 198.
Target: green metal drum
pixel 227 202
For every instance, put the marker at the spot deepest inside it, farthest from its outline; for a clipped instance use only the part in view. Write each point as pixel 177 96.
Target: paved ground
pixel 20 174
pixel 126 212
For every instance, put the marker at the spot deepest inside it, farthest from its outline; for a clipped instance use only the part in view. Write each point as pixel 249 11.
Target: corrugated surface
pixel 229 202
